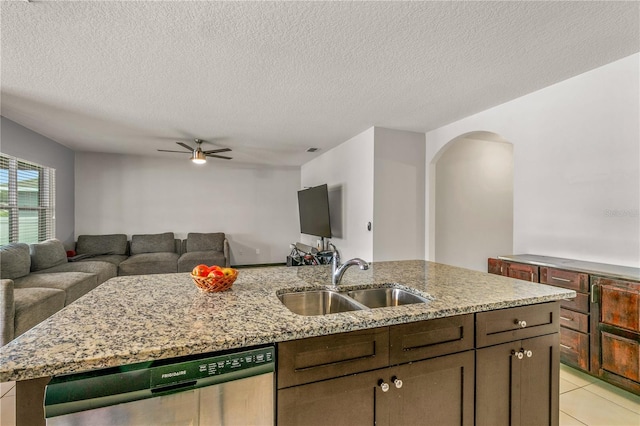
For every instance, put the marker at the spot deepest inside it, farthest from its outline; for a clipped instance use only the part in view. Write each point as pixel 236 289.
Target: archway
pixel 472 200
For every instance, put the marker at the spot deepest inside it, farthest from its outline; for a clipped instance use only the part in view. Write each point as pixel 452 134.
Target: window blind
pixel 27 201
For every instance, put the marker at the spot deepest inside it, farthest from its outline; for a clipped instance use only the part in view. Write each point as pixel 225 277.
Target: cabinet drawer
pixel 567 279
pixel 574 320
pixel 579 303
pixel 506 325
pixel 621 356
pixel 427 339
pixel 319 358
pixel 574 348
pixel 619 303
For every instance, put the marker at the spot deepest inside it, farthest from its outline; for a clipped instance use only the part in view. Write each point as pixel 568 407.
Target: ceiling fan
pixel 199 156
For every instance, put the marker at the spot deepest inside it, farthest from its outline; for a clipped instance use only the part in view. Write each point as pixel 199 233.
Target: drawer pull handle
pixel 561 279
pixel 529 354
pixel 593 293
pixel 522 323
pixel 384 386
pixel 565 346
pixel 519 354
pixel 566 319
pixel 397 382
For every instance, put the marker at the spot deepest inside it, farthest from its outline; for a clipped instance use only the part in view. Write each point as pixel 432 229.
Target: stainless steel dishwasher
pixel 220 389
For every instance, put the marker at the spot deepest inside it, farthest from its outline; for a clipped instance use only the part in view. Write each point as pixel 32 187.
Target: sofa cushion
pixel 114 259
pixel 47 254
pixel 104 270
pixel 149 263
pixel 34 305
pixel 190 260
pixel 74 284
pixel 153 243
pixel 102 244
pixel 203 242
pixel 15 261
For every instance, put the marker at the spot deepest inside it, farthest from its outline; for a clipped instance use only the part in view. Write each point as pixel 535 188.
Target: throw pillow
pixel 47 254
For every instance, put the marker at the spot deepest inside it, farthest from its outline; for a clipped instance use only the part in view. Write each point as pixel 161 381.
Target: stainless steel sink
pixel 318 302
pixel 383 297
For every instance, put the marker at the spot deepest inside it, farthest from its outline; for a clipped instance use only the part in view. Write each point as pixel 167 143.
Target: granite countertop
pixel 592 268
pixel 142 318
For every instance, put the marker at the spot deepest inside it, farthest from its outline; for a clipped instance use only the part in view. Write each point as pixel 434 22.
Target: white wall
pixel 474 202
pixel 348 171
pixel 255 206
pixel 25 144
pixel 576 164
pixel 398 201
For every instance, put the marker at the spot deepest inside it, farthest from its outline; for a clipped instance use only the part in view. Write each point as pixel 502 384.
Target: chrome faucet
pixel 338 270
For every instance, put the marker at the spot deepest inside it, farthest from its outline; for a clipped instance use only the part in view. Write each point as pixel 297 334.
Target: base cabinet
pixel 437 391
pixel 617 329
pixel 490 368
pixel 516 383
pixel 575 333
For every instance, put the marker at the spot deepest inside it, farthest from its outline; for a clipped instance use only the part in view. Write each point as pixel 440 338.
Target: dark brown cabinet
pixel 616 356
pixel 427 372
pixel 575 334
pixel 600 327
pixel 520 271
pixel 575 330
pixel 400 395
pixel 518 366
pixel 384 376
pixel 517 383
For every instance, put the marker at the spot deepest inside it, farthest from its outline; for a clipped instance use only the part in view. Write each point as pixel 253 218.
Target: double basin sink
pixel 323 302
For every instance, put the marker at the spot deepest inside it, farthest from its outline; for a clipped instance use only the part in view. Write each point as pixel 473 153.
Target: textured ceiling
pixel 270 79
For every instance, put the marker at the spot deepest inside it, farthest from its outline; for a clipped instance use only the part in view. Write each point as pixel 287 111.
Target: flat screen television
pixel 313 205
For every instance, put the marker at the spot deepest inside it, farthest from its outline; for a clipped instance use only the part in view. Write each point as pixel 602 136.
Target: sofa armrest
pixel 7 312
pixel 225 250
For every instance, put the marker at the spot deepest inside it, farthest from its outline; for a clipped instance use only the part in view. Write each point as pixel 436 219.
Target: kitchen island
pixel 135 319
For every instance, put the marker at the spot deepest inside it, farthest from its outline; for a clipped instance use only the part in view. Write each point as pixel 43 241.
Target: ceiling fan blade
pixel 214 151
pixel 218 156
pixel 166 150
pixel 185 146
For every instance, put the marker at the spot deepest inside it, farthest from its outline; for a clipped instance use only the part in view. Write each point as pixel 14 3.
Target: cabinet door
pixel 497 383
pixel 436 391
pixel 523 272
pixel 520 271
pixel 621 355
pixel 517 383
pixel 497 266
pixel 348 401
pixel 620 304
pixel 540 381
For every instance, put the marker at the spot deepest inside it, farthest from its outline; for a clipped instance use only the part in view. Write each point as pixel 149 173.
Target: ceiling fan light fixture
pixel 198 157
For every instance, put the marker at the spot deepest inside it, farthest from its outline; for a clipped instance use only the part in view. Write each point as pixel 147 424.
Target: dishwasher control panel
pixel 261 360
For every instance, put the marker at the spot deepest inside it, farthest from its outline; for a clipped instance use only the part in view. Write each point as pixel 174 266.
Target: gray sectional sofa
pixel 38 280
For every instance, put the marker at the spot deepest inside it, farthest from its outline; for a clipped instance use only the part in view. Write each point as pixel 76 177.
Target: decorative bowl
pixel 215 284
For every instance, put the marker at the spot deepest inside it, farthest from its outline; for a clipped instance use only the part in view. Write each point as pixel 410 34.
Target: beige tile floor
pixel 584 400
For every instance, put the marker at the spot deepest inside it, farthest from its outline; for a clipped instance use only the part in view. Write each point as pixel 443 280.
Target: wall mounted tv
pixel 313 205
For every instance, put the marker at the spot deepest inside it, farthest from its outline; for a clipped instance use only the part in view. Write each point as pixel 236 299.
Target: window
pixel 27 201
